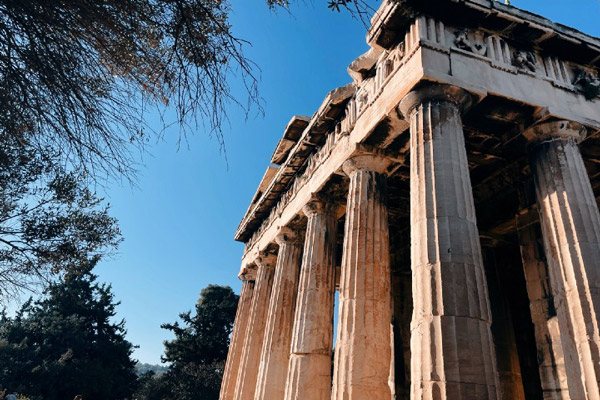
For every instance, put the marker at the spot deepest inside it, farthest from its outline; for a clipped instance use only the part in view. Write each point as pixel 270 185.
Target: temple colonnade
pixel 281 346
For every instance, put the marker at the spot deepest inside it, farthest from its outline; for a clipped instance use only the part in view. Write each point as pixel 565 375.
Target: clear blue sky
pixel 179 222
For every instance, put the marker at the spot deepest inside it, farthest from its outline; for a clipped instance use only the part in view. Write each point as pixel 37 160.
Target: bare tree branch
pixel 81 76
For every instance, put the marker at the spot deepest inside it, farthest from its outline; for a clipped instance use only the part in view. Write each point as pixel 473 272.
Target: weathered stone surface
pixel 551 360
pixel 275 356
pixel 363 351
pixel 571 226
pixel 429 53
pixel 363 64
pixel 236 344
pixel 547 75
pixel 309 374
pixel 248 370
pixel 451 344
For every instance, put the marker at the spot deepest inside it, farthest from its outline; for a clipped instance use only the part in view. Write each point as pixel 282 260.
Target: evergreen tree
pixel 198 353
pixel 152 386
pixel 67 344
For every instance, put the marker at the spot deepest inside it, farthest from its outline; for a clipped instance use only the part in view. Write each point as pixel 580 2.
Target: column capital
pixel 370 162
pixel 266 260
pixel 320 204
pixel 435 92
pixel 286 235
pixel 247 274
pixel 556 130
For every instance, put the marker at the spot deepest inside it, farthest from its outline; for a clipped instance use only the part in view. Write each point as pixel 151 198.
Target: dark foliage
pixel 49 220
pixel 152 386
pixel 67 344
pixel 198 353
pixel 79 75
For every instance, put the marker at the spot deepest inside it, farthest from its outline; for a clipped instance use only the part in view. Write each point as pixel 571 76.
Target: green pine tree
pixel 198 353
pixel 68 344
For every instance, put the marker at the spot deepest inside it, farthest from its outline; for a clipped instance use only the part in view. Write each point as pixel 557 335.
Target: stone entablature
pixel 428 49
pixel 291 135
pixel 298 154
pixel 467 153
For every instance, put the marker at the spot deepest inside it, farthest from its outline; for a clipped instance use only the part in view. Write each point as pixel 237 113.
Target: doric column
pixel 275 356
pixel 246 383
pixel 238 336
pixel 551 360
pixel 452 353
pixel 309 374
pixel 363 350
pixel 571 227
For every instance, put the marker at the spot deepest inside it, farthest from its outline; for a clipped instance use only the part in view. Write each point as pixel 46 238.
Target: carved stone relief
pixel 525 60
pixel 362 100
pixel 398 53
pixel 462 42
pixel 587 83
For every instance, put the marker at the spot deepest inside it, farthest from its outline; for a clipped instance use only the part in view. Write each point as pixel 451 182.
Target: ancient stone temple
pixel 449 195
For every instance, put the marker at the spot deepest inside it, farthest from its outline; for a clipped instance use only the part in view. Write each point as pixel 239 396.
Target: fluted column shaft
pixel 452 353
pixel 571 226
pixel 236 344
pixel 551 359
pixel 272 372
pixel 363 349
pixel 246 383
pixel 309 374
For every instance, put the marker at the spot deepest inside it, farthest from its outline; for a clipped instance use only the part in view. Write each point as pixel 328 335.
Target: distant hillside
pixel 142 368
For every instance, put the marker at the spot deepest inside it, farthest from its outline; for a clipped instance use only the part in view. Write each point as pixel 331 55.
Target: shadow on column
pixel 399 216
pixel 512 327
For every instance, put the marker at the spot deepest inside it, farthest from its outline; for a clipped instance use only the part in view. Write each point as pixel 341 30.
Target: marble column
pixel 571 228
pixel 246 383
pixel 236 344
pixel 272 372
pixel 309 374
pixel 551 359
pixel 363 350
pixel 452 353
